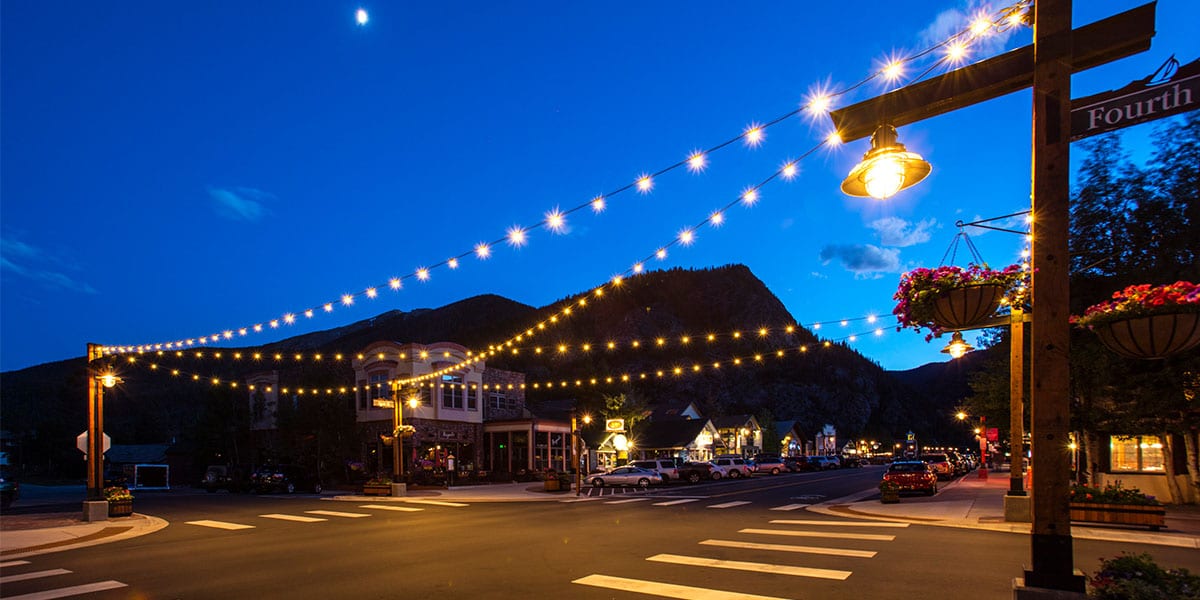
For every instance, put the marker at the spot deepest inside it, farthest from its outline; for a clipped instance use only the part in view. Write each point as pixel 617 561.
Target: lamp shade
pixel 886 168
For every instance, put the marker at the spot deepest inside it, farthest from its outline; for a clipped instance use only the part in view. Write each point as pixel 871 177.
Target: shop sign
pixel 1172 90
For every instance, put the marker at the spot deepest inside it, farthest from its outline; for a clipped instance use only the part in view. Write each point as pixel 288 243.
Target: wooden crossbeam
pixel 1092 45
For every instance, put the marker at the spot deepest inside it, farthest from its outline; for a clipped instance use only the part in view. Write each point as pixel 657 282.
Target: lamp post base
pixel 399 490
pixel 95 510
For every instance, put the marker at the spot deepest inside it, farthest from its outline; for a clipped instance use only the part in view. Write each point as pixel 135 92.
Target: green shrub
pixel 1138 577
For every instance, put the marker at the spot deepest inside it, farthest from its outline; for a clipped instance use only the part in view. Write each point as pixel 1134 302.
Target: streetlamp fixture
pixel 886 168
pixel 957 346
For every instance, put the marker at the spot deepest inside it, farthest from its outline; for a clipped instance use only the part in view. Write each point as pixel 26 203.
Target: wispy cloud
pixel 864 260
pixel 30 262
pixel 896 232
pixel 953 21
pixel 240 204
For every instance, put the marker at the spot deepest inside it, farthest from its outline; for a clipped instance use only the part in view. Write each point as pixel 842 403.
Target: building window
pixel 452 391
pixel 501 401
pixel 1136 453
pixel 426 395
pixel 473 398
pixel 378 386
pixel 362 394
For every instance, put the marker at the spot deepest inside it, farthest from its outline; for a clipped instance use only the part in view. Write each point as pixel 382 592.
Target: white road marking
pixel 33 575
pixel 296 518
pixel 674 502
pixel 581 499
pixel 436 502
pixel 390 507
pixel 842 523
pixel 13 563
pixel 730 504
pixel 74 590
pixel 334 513
pixel 738 565
pixel 789 507
pixel 823 534
pixel 789 548
pixel 666 590
pixel 627 501
pixel 220 525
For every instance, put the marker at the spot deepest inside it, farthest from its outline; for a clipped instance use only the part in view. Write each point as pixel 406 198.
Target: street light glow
pixel 361 17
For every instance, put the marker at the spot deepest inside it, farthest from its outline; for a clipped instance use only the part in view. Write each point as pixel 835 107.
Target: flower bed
pixel 922 290
pixel 120 501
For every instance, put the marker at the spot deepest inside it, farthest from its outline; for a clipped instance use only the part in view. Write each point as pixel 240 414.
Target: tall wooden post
pixel 397 434
pixel 1016 401
pixel 95 455
pixel 1050 545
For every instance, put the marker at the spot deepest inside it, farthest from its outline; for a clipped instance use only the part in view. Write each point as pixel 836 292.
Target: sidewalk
pixel 976 503
pixel 968 502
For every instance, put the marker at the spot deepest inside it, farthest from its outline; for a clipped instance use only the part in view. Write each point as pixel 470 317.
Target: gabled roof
pixel 674 409
pixel 678 433
pixel 735 422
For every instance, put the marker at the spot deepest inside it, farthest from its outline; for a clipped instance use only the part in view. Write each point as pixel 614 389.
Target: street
pixel 747 539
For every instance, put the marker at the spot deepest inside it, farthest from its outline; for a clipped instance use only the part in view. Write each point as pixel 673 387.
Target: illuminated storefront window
pixel 1136 453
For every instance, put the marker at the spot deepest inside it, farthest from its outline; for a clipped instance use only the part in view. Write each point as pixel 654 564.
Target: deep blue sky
pixel 172 170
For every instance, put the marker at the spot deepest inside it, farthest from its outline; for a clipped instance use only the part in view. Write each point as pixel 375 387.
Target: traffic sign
pixel 81 442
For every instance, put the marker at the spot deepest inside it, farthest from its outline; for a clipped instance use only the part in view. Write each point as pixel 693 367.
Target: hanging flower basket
pixel 1147 322
pixel 951 297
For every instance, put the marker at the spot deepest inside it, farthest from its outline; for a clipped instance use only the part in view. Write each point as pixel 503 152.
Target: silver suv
pixel 732 467
pixel 769 463
pixel 663 466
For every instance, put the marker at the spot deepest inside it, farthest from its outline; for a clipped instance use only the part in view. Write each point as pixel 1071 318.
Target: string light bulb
pixel 697 161
pixel 644 183
pixel 886 168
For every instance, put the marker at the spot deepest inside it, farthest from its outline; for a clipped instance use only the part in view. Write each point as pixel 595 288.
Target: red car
pixel 912 476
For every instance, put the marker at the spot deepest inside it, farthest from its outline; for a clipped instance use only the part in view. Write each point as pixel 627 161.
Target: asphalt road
pixel 729 536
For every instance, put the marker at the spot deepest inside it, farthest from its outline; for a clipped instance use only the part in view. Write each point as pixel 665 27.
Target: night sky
pixel 172 170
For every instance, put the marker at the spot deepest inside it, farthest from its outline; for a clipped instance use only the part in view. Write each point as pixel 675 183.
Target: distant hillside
pixel 45 404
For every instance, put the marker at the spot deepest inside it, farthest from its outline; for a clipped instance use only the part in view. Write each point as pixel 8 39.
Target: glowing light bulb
pixel 616 280
pixel 893 70
pixel 754 135
pixel 328 307
pixel 556 221
pixel 452 263
pixel 980 25
pixel 395 283
pixel 717 218
pixel 661 254
pixel 482 250
pixel 638 267
pixel 749 197
pixel 361 17
pixel 309 313
pixel 833 139
pixel 790 170
pixel 884 177
pixel 644 183
pixel 347 299
pixel 687 237
pixel 423 274
pixel 819 104
pixel 697 161
pixel 371 293
pixel 516 236
pixel 956 51
pixel 289 318
pixel 598 204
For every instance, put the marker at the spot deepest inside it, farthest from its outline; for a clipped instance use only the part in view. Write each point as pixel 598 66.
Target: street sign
pixel 383 403
pixel 614 425
pixel 993 434
pixel 81 442
pixel 1144 100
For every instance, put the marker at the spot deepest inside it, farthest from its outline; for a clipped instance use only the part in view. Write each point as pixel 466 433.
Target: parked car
pixel 912 475
pixel 10 488
pixel 732 467
pixel 235 478
pixel 284 478
pixel 665 467
pixel 822 462
pixel 850 462
pixel 769 463
pixel 940 464
pixel 695 472
pixel 626 475
pixel 798 464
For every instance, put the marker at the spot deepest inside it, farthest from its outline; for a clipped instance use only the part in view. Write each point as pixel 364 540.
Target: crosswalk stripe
pixel 334 513
pixel 730 504
pixel 33 575
pixel 390 507
pixel 436 502
pixel 581 499
pixel 627 501
pixel 666 590
pixel 823 534
pixel 842 523
pixel 790 548
pixel 74 590
pixel 789 507
pixel 739 565
pixel 674 502
pixel 13 563
pixel 296 518
pixel 219 525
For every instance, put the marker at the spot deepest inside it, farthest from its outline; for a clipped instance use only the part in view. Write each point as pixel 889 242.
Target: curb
pixel 90 534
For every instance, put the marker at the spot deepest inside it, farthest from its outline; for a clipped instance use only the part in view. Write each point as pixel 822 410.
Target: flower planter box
pixel 384 489
pixel 1152 516
pixel 965 307
pixel 120 508
pixel 1153 337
